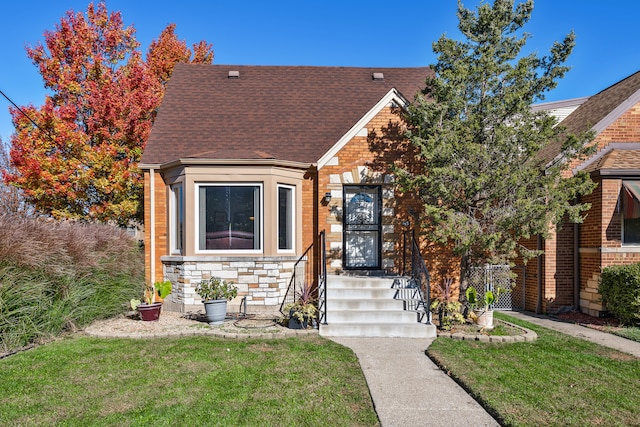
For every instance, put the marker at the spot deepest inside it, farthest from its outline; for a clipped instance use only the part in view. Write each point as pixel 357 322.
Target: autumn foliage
pixel 81 160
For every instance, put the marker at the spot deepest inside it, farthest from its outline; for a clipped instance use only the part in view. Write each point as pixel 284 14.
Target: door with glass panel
pixel 362 226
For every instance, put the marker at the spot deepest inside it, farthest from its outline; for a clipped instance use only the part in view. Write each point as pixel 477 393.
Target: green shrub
pixel 61 276
pixel 620 290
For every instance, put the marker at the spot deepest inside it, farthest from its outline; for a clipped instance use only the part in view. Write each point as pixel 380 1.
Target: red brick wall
pixel 309 199
pixel 558 269
pixel 161 209
pixel 527 277
pixel 355 165
pixel 600 234
pixel 625 128
pixel 366 159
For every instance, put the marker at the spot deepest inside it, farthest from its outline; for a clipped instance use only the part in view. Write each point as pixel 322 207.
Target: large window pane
pixel 229 217
pixel 285 218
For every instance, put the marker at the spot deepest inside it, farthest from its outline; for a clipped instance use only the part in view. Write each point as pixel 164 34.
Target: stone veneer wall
pixel 262 280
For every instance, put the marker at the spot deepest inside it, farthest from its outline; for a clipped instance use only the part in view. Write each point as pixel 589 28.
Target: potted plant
pixel 215 293
pixel 154 295
pixel 483 314
pixel 303 311
pixel 446 306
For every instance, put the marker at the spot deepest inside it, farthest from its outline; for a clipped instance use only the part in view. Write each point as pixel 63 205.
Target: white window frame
pixel 176 209
pixel 292 218
pixel 197 217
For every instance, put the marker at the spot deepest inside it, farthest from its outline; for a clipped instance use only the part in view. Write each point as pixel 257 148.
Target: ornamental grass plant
pixel 60 276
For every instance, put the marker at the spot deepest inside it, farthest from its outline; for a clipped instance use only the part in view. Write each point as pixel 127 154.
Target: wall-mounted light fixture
pixel 327 197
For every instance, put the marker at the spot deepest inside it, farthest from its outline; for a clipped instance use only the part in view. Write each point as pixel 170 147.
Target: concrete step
pixel 371 316
pixel 360 293
pixel 334 282
pixel 365 307
pixel 364 304
pixel 412 330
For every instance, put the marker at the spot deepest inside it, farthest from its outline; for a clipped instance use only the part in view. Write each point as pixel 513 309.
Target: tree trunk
pixel 465 261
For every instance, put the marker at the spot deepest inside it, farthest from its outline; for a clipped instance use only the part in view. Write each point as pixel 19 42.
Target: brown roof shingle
pixel 617 160
pixel 593 111
pixel 290 113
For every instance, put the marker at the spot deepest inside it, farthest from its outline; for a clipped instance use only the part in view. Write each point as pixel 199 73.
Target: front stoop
pixel 364 307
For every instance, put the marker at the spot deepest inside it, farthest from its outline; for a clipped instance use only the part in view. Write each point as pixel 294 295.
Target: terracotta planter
pixel 216 311
pixel 149 312
pixel 484 318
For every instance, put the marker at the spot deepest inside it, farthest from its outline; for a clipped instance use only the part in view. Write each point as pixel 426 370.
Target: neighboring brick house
pixel 240 165
pixel 567 275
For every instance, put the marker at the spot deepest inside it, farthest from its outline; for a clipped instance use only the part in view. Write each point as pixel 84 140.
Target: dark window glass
pixel 229 217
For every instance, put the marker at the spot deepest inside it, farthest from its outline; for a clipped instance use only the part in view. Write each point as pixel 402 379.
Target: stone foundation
pixel 261 281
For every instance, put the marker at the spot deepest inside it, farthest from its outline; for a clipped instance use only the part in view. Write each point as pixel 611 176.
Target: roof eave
pixel 607 121
pixel 616 173
pixel 227 162
pixel 606 150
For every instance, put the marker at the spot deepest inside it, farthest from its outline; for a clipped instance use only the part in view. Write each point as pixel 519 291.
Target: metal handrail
pixel 304 268
pixel 416 290
pixel 297 279
pixel 322 279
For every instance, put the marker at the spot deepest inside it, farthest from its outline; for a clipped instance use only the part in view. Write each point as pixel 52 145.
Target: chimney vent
pixel 378 76
pixel 234 74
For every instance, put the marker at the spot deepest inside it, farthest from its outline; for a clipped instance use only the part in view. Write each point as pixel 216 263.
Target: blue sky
pixel 367 33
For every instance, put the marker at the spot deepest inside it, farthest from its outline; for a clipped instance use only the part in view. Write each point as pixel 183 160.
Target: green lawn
pixel 556 380
pixel 628 332
pixel 303 381
pixel 185 381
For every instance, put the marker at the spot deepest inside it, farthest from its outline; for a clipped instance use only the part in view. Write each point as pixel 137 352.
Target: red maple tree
pixel 81 160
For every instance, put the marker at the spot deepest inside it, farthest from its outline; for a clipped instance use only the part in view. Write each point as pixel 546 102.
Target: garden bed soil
pixel 500 329
pixel 185 324
pixel 605 324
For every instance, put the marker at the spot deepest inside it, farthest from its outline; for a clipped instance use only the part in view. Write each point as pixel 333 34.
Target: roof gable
pixel 598 112
pixel 268 112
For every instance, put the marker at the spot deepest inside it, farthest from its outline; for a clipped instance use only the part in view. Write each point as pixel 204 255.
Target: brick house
pixel 245 165
pixel 567 275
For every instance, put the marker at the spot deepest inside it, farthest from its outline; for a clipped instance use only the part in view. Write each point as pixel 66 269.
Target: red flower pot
pixel 149 312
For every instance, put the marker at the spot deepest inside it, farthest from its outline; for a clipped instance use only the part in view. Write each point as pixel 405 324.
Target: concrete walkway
pixel 598 337
pixel 408 389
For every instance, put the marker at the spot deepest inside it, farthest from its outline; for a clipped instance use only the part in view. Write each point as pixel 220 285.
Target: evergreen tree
pixel 482 184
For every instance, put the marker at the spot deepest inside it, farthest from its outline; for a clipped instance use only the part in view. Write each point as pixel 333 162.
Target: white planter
pixel 216 311
pixel 484 318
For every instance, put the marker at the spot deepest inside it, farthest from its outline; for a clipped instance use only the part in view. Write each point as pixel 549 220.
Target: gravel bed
pixel 189 324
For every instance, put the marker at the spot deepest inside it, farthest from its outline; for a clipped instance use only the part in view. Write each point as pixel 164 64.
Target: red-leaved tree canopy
pixel 81 160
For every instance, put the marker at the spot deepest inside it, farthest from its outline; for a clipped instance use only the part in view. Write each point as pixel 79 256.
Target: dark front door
pixel 362 225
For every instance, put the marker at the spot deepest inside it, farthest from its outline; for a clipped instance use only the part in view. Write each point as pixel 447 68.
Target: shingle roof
pixel 617 160
pixel 280 112
pixel 594 110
